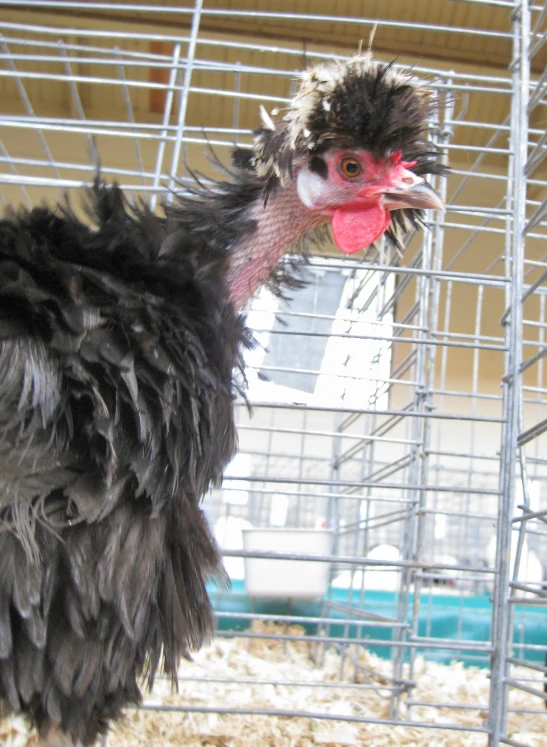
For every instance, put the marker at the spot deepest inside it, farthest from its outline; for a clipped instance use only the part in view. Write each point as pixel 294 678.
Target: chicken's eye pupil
pixel 350 167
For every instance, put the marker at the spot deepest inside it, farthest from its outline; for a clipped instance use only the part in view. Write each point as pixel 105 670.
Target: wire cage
pixel 384 520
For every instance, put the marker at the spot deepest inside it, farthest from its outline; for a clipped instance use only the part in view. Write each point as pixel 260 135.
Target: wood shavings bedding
pixel 291 661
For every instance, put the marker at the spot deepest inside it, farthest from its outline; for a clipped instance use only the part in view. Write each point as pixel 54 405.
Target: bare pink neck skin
pixel 279 225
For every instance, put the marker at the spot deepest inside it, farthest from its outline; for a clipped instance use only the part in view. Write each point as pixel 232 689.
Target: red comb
pixel 397 158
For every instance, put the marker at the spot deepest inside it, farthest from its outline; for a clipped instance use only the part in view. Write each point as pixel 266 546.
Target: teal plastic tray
pixel 443 616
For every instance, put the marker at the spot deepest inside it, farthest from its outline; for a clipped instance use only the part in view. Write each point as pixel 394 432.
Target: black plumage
pixel 120 352
pixel 117 356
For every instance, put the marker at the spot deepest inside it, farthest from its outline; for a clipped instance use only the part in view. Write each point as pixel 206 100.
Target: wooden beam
pixel 156 96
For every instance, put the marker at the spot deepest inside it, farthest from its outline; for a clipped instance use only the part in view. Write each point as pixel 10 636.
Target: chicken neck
pixel 279 224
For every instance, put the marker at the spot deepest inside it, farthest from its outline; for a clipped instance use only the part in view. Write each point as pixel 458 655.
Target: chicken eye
pixel 350 167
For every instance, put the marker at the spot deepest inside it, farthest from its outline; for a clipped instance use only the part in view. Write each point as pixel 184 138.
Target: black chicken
pixel 118 346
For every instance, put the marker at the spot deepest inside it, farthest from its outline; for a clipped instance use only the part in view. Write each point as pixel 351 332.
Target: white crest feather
pixel 267 121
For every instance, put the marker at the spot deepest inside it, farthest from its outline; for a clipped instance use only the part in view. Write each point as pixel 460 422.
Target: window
pixel 324 347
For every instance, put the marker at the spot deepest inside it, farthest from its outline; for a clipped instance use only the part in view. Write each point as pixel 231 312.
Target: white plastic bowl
pixel 305 579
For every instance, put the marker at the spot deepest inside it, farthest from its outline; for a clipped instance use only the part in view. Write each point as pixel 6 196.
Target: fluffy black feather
pixel 117 351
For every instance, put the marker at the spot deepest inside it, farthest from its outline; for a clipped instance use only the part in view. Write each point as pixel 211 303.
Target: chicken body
pixel 115 417
pixel 118 347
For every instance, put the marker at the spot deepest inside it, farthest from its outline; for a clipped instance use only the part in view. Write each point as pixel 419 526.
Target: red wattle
pixel 357 227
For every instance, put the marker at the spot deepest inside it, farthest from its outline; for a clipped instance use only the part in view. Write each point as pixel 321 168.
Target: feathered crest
pixel 353 103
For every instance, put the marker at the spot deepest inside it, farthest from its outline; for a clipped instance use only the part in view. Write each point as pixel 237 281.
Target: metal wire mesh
pixel 391 408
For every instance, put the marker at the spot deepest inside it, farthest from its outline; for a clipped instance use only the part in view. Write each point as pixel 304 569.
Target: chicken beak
pixel 418 195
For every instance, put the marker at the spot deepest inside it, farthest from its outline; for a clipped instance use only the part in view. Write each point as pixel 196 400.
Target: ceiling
pixel 462 31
